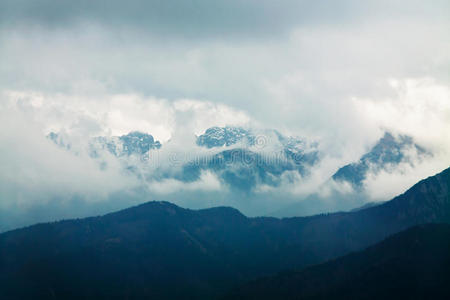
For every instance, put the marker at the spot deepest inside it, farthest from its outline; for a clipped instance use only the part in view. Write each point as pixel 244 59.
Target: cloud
pixel 36 173
pixel 419 108
pixel 207 19
pixel 388 184
pixel 34 170
pixel 118 114
pixel 208 182
pixel 339 73
pixel 328 60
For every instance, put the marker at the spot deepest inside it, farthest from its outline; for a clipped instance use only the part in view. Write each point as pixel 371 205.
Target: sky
pixel 339 72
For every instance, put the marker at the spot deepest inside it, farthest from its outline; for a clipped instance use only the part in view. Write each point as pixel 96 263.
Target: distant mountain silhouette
pixel 412 264
pixel 160 250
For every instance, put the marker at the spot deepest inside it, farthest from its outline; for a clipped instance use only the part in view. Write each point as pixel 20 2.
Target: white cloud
pixel 385 185
pixel 337 73
pixel 118 114
pixel 34 170
pixel 208 182
pixel 420 108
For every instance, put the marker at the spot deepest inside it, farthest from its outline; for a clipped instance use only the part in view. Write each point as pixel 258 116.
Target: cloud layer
pixel 339 73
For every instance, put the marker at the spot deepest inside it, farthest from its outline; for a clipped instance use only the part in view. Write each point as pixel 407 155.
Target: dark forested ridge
pixel 160 250
pixel 412 264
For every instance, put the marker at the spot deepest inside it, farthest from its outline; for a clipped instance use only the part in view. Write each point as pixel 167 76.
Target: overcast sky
pixel 285 63
pixel 340 72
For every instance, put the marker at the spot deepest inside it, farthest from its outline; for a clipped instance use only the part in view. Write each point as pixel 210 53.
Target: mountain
pixel 241 159
pixel 224 136
pixel 242 169
pixel 133 143
pixel 367 205
pixel 412 264
pixel 250 162
pixel 159 250
pixel 299 150
pixel 245 160
pixel 388 153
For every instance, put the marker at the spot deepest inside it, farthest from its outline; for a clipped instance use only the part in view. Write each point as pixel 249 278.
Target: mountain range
pixel 159 250
pixel 244 159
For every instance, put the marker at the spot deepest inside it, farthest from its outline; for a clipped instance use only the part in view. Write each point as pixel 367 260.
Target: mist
pixel 338 75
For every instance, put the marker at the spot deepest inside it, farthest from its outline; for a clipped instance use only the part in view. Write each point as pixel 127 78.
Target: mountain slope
pixel 389 152
pixel 412 264
pixel 161 250
pixel 225 136
pixel 252 164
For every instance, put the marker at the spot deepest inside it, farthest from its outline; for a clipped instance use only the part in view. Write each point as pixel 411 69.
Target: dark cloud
pixel 200 18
